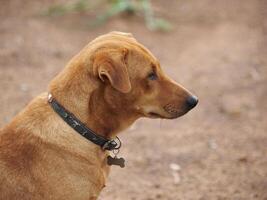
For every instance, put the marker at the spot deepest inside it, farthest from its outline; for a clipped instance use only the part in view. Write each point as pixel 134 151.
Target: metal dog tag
pixel 116 161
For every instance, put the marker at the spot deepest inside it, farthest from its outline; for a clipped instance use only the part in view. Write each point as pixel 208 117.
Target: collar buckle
pixel 110 145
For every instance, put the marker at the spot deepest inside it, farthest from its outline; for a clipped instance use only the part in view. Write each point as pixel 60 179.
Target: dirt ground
pixel 217 49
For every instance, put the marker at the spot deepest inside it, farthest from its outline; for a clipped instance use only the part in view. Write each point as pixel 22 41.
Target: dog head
pixel 133 82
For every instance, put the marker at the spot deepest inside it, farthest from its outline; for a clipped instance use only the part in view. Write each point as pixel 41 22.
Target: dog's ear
pixel 110 64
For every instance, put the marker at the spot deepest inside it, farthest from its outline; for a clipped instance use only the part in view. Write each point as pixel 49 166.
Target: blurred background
pixel 217 49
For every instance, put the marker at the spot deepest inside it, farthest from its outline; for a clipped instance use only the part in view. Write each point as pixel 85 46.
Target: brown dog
pixel 112 82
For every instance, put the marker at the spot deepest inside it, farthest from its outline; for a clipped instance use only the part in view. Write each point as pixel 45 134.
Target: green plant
pixel 116 7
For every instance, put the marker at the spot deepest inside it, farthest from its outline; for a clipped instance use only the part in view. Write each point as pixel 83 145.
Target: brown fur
pixel 106 87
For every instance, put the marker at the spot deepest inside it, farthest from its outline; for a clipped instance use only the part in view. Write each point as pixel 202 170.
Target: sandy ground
pixel 217 49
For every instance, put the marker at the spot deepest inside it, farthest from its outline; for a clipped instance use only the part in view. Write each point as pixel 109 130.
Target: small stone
pixel 175 167
pixel 24 87
pixel 232 106
pixel 243 159
pixel 213 144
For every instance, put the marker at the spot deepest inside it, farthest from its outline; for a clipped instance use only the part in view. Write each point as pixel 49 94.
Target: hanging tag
pixel 116 161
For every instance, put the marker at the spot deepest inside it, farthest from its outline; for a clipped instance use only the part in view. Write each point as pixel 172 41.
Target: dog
pixel 109 84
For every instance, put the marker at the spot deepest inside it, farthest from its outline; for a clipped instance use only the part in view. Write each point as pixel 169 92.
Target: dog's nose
pixel 191 102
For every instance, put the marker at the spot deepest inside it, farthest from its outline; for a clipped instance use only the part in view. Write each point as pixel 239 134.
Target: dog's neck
pixel 87 103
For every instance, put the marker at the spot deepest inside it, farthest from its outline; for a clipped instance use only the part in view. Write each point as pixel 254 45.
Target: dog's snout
pixel 191 101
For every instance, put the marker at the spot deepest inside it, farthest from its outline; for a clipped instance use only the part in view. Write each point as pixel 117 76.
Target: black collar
pixel 78 126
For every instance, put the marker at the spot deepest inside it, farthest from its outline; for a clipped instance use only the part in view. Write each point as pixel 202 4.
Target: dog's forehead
pixel 126 40
pixel 144 51
pixel 141 58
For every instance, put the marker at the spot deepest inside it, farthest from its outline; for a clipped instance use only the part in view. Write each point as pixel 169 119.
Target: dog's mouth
pixel 165 112
pixel 167 115
pixel 154 115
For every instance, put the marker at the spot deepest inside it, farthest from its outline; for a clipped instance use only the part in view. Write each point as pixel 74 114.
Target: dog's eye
pixel 152 76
